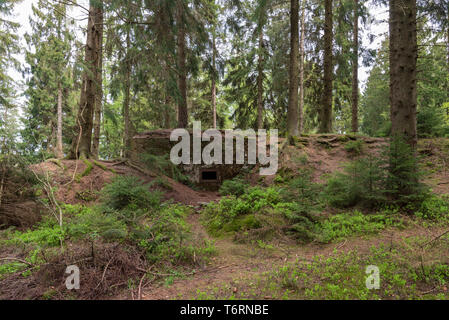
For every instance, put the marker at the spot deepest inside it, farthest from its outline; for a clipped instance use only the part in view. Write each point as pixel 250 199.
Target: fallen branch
pixel 141 170
pixel 104 272
pixel 436 238
pixel 18 260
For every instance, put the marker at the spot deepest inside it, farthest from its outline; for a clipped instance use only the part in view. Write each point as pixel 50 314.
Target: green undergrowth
pixel 292 208
pixel 352 203
pixel 344 276
pixel 129 214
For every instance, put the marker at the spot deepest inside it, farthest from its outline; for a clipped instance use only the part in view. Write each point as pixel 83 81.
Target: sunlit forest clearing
pixel 92 90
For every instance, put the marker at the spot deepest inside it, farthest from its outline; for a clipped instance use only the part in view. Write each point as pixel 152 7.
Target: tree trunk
pixel 167 117
pixel 59 152
pixel 82 142
pixel 403 59
pixel 214 84
pixel 59 149
pixel 301 67
pixel 355 70
pixel 447 43
pixel 51 146
pixel 126 101
pixel 99 91
pixel 260 82
pixel 326 109
pixel 292 116
pixel 182 79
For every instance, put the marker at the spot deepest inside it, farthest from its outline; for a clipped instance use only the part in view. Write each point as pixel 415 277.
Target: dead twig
pixel 435 239
pixel 104 272
pixel 341 245
pixel 18 260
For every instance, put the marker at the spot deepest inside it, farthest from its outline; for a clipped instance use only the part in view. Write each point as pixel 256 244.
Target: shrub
pixel 301 188
pixel 362 181
pixel 403 174
pixel 392 178
pixel 355 223
pixel 166 236
pixel 235 187
pixel 130 191
pixel 43 236
pixel 434 208
pixel 430 122
pixel 228 214
pixel 302 221
pixel 355 147
pixel 92 222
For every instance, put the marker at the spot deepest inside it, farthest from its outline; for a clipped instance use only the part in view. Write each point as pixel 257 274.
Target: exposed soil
pixel 236 263
pixel 73 191
pixel 18 205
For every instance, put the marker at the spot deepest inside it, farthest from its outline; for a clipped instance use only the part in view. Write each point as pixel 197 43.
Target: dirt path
pixel 236 263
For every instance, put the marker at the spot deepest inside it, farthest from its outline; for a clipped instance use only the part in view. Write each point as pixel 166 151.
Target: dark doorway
pixel 209 176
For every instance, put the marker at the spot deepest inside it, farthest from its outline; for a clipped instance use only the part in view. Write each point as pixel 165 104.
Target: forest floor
pixel 243 271
pixel 413 255
pixel 246 270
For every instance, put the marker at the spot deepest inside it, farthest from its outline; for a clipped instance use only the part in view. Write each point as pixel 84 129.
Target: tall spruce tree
pixel 403 72
pixel 292 117
pixel 82 141
pixel 49 49
pixel 326 107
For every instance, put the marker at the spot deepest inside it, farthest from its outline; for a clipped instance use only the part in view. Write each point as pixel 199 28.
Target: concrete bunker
pixel 208 177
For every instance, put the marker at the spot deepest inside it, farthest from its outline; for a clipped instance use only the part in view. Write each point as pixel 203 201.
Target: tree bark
pixel 59 152
pixel 167 117
pixel 260 82
pixel 447 43
pixel 214 84
pixel 126 100
pixel 326 109
pixel 301 67
pixel 182 79
pixel 59 149
pixel 403 59
pixel 99 90
pixel 292 115
pixel 82 142
pixel 355 70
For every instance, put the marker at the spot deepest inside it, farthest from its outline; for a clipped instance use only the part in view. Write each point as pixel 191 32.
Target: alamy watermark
pixel 258 151
pixel 72 282
pixel 373 279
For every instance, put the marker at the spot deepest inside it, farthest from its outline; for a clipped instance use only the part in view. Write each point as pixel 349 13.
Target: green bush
pixel 43 236
pixel 430 122
pixel 166 236
pixel 235 187
pixel 403 175
pixel 92 222
pixel 391 178
pixel 355 147
pixel 302 220
pixel 130 191
pixel 362 181
pixel 9 268
pixel 229 214
pixel 434 208
pixel 344 225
